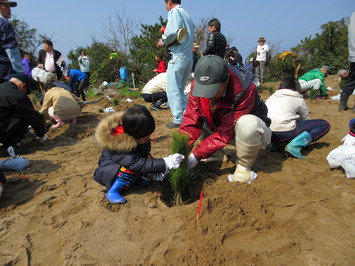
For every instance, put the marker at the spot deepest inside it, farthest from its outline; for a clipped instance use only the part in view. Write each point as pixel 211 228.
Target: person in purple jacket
pixel 26 60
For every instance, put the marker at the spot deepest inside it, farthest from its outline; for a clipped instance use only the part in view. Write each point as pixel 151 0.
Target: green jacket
pixel 314 74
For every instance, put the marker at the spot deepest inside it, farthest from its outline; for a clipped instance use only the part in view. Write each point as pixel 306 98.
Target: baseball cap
pixel 352 123
pixel 25 79
pixel 326 68
pixel 210 71
pixel 12 4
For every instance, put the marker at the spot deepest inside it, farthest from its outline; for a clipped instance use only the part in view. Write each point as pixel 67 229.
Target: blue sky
pixel 73 23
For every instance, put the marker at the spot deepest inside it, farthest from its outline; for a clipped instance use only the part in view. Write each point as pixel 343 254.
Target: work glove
pixel 159 176
pixel 191 161
pixel 173 161
pixel 44 138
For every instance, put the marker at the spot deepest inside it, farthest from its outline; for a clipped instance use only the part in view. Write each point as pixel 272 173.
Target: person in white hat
pixel 263 55
pixel 178 37
pixel 10 58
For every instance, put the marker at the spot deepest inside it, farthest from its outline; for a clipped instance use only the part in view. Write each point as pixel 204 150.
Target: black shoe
pixel 17 150
pixel 172 125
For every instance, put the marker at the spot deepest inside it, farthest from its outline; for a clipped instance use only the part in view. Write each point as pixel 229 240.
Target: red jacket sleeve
pixel 226 113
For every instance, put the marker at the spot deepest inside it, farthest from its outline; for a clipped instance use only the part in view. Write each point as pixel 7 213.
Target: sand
pixel 298 211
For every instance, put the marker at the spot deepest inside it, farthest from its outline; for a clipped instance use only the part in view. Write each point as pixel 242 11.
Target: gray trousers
pixel 260 71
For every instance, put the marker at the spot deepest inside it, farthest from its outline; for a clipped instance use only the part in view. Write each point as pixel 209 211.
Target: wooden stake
pixel 199 206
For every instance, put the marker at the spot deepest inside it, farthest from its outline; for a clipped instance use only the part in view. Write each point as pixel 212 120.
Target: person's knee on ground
pixel 251 136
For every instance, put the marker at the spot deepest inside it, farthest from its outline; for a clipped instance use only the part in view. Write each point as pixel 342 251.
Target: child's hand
pixel 158 176
pixel 173 161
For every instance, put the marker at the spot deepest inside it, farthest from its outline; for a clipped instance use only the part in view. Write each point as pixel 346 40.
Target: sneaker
pixel 172 125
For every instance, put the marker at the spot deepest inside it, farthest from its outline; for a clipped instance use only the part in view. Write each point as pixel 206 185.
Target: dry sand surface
pixel 298 212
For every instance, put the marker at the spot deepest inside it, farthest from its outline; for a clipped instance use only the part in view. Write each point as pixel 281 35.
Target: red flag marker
pixel 199 206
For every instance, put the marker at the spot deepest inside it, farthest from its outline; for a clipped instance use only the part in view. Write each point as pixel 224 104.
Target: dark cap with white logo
pixel 210 71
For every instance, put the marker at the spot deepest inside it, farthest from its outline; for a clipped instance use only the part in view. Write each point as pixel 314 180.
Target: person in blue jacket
pixel 78 81
pixel 126 160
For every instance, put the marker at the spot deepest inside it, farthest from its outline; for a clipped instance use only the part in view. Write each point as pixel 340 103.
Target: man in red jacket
pixel 225 107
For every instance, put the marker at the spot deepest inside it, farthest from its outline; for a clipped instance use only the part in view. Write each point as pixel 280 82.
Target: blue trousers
pixel 316 128
pixel 178 72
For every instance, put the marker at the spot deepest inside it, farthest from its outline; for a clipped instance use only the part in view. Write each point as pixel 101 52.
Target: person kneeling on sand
pixel 224 106
pixel 290 122
pixel 61 105
pixel 126 160
pixel 155 91
pixel 17 113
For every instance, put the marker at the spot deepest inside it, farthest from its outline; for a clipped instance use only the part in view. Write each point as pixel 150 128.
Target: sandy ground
pixel 298 212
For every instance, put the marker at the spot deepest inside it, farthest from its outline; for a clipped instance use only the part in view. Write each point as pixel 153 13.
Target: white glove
pixel 158 176
pixel 191 161
pixel 173 161
pixel 44 138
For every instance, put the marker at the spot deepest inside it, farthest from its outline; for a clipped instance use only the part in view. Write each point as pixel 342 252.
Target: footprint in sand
pixel 253 240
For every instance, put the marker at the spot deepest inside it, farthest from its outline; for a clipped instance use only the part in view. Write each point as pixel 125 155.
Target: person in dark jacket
pixel 237 56
pixel 17 112
pixel 224 106
pixel 125 160
pixel 216 42
pixel 48 60
pixel 3 180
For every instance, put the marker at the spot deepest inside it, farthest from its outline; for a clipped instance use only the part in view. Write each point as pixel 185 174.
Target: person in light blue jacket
pixel 84 63
pixel 180 64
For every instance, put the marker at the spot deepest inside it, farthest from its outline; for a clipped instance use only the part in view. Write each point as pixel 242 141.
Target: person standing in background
pixel 216 42
pixel 48 60
pixel 10 58
pixel 262 56
pixel 26 60
pixel 350 81
pixel 179 67
pixel 84 63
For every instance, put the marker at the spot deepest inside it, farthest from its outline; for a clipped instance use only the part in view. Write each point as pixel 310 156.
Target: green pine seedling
pixel 116 101
pixel 180 178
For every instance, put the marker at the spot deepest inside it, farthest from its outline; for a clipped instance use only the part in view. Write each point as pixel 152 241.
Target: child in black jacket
pixel 125 137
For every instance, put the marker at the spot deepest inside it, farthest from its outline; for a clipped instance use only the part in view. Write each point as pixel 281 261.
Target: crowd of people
pixel 222 106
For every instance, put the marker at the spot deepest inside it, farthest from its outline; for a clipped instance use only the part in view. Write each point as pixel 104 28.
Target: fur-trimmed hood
pixel 120 143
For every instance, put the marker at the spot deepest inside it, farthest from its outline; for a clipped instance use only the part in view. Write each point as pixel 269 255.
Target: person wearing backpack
pixel 263 56
pixel 223 107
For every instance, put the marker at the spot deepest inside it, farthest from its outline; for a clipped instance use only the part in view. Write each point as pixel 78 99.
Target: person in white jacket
pixel 290 122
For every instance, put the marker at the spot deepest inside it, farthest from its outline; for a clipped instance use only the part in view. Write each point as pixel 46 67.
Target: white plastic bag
pixel 343 156
pixel 15 162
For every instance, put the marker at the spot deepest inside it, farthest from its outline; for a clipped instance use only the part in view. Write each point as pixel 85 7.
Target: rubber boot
pixel 247 154
pixel 113 195
pixel 294 147
pixel 343 102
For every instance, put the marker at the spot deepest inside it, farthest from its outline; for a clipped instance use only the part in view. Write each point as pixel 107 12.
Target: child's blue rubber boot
pixel 294 147
pixel 113 195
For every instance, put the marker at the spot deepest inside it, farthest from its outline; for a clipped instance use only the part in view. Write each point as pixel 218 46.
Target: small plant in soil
pixel 116 101
pixel 180 178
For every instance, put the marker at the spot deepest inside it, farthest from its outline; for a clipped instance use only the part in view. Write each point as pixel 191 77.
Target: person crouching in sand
pixel 126 160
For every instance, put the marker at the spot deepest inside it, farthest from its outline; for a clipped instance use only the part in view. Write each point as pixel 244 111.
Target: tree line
pixel 135 48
